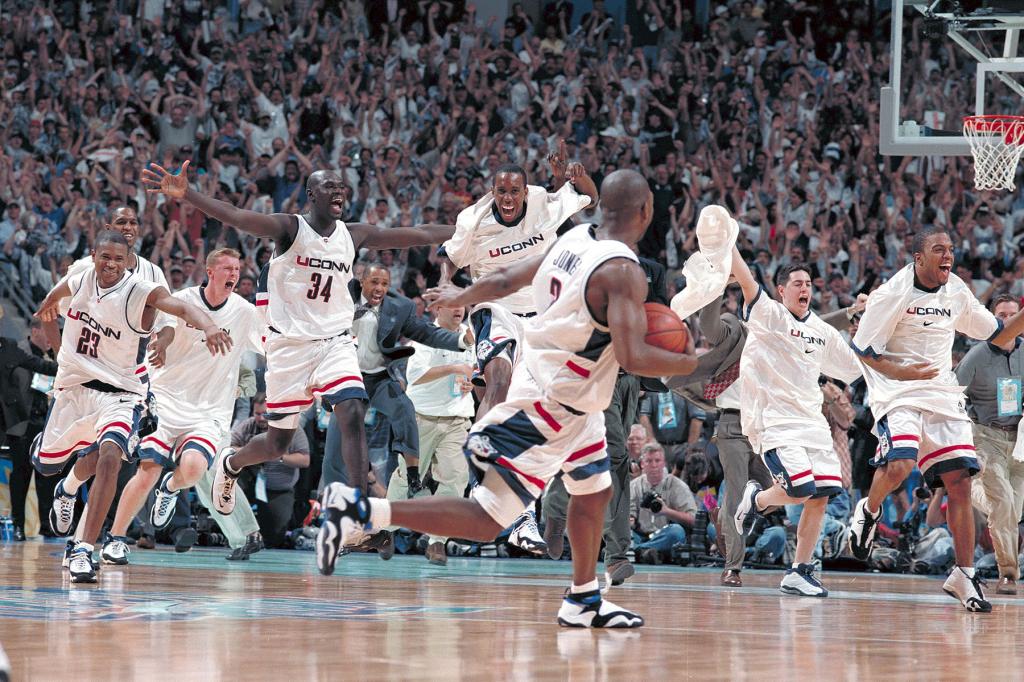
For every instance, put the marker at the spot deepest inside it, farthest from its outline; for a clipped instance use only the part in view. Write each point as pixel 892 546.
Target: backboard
pixel 982 39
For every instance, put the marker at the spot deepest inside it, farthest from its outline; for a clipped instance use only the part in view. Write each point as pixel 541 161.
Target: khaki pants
pixel 441 440
pixel 1002 479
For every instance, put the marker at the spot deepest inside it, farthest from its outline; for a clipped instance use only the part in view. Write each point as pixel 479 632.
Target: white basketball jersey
pixel 104 338
pixel 143 268
pixel 194 383
pixel 568 352
pixel 307 286
pixel 484 243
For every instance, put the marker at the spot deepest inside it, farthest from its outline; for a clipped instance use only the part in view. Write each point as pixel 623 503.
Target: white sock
pixel 968 571
pixel 867 510
pixel 380 512
pixel 589 587
pixel 72 483
pixel 230 469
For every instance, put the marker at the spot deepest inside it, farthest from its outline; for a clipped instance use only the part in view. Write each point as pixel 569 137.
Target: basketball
pixel 665 329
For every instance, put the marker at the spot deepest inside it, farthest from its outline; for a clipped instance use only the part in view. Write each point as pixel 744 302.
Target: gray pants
pixel 618 419
pixel 236 525
pixel 740 464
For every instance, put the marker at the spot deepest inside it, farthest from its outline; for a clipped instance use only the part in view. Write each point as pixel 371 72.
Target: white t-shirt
pixel 909 325
pixel 779 369
pixel 440 397
pixel 484 244
pixel 195 384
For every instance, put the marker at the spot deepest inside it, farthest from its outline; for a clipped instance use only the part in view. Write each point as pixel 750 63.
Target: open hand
pixel 160 181
pixel 444 295
pixel 217 340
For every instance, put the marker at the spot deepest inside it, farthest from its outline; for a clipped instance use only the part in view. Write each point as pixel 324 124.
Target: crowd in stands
pixel 767 107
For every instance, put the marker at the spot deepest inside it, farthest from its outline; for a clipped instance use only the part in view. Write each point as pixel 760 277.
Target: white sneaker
pixel 746 511
pixel 223 491
pixel 801 581
pixel 346 513
pixel 968 590
pixel 862 529
pixel 115 551
pixel 62 512
pixel 526 536
pixel 81 567
pixel 589 610
pixel 163 506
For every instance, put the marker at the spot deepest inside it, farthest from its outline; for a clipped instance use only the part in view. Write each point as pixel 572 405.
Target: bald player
pixel 589 290
pixel 310 349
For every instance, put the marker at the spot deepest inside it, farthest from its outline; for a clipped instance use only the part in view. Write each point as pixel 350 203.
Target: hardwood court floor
pixel 196 616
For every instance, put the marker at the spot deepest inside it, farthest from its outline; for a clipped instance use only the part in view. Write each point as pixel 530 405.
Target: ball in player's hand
pixel 665 329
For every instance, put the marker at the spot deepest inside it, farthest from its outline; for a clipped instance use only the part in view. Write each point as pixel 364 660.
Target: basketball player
pixel 195 395
pixel 99 393
pixel 913 318
pixel 124 220
pixel 512 222
pixel 310 349
pixel 788 348
pixel 589 291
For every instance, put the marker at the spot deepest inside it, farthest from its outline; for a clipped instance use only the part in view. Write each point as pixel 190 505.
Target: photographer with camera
pixel 661 508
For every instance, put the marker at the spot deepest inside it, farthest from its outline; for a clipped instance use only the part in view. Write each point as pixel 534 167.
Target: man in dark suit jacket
pixel 22 416
pixel 726 335
pixel 383 317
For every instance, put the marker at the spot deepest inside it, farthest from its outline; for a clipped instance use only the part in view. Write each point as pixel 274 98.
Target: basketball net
pixel 996 145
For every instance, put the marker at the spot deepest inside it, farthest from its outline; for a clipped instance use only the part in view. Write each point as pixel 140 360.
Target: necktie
pixel 721 381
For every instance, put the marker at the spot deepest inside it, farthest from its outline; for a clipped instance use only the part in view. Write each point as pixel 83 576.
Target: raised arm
pixel 491 287
pixel 49 308
pixel 217 340
pixel 744 277
pixel 620 287
pixel 276 226
pixel 1012 328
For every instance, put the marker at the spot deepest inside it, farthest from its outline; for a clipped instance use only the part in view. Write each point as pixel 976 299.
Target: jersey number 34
pixel 320 287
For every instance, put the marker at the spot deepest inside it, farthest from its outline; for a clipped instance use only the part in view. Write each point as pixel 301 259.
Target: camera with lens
pixel 652 501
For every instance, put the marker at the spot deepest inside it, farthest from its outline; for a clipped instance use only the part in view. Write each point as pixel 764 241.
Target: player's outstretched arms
pixel 49 309
pixel 619 288
pixel 894 370
pixel 217 340
pixel 373 237
pixel 500 283
pixel 275 226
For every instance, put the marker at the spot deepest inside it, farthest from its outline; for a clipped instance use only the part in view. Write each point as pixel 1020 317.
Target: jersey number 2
pixel 320 288
pixel 556 289
pixel 87 343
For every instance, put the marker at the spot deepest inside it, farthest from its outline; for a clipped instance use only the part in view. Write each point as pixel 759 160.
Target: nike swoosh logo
pixel 808 351
pixel 928 324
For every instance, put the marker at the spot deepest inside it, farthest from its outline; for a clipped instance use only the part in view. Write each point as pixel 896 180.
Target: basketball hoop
pixel 996 144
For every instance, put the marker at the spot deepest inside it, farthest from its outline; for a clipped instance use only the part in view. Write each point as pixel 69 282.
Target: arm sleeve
pixel 763 311
pixel 299 443
pixel 966 368
pixel 877 324
pixel 976 321
pixel 418 364
pixel 840 360
pixel 418 329
pixel 565 203
pixel 459 248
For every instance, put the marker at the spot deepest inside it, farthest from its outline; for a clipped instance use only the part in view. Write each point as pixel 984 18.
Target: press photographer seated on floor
pixel 661 508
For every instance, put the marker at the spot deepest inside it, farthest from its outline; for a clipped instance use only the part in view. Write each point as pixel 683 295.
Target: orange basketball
pixel 665 329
